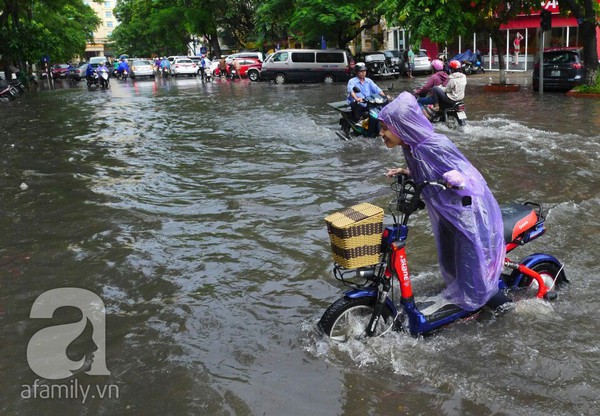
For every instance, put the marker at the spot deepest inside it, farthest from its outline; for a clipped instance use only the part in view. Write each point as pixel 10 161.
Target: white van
pixel 95 61
pixel 307 65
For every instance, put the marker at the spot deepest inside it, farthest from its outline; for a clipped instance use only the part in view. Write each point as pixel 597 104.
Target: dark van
pixel 307 65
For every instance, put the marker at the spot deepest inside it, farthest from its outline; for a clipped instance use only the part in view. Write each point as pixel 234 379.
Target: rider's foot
pixel 498 300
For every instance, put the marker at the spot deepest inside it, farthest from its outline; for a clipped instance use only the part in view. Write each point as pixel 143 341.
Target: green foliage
pixel 29 30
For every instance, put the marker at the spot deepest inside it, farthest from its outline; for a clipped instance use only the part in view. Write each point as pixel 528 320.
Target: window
pixel 107 4
pixel 330 57
pixel 108 14
pixel 280 57
pixel 109 23
pixel 307 57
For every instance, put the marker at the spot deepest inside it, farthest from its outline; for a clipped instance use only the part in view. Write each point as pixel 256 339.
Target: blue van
pixel 307 65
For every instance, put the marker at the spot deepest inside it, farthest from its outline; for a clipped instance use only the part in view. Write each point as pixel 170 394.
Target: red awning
pixel 533 22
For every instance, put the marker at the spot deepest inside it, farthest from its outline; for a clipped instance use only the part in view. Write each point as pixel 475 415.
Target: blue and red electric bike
pixel 372 307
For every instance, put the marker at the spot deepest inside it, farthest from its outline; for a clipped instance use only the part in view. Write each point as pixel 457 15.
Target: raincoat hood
pixel 466 223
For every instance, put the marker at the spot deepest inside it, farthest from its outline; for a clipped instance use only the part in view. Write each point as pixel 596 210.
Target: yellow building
pixel 104 10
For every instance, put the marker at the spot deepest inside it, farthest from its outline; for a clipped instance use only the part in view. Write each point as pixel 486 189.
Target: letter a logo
pixel 47 349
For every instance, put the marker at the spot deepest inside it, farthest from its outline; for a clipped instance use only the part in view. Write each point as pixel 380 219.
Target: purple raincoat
pixel 469 239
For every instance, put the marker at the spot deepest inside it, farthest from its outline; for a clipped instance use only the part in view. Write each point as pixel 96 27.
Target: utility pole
pixel 545 24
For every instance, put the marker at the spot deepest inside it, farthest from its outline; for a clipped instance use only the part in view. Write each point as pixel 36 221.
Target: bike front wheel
pixel 348 318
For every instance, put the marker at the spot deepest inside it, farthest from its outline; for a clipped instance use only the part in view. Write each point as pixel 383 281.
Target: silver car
pixel 422 61
pixel 141 68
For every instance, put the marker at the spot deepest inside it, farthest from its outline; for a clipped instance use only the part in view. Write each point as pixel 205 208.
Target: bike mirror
pixel 356 89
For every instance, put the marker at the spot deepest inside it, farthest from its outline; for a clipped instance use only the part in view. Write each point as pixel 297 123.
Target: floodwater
pixel 195 212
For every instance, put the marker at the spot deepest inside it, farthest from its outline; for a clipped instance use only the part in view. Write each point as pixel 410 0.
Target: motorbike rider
pixel 123 66
pixel 466 219
pixel 165 65
pixel 89 72
pixel 453 91
pixel 440 77
pixel 367 88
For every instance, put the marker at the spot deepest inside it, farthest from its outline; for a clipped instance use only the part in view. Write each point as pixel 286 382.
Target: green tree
pixel 586 12
pixel 30 29
pixel 307 20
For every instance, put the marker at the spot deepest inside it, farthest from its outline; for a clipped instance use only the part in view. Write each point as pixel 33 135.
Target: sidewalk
pixel 493 77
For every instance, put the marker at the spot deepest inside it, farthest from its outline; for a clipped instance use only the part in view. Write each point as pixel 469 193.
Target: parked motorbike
pixel 8 93
pixel 369 308
pixel 103 78
pixel 368 126
pixel 453 116
pixel 472 67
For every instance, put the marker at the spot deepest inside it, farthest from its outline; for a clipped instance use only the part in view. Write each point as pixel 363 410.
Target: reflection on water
pixel 196 212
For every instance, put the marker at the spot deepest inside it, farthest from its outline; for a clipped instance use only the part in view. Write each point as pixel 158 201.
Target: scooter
pixel 93 80
pixel 369 310
pixel 103 78
pixel 454 116
pixel 368 126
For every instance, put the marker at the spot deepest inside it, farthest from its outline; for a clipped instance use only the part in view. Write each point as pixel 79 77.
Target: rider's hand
pixel 454 179
pixel 359 99
pixel 398 171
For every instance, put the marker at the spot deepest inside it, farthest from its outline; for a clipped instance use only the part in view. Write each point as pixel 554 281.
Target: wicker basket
pixel 355 235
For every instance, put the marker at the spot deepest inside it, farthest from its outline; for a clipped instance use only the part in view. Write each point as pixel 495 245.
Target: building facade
pixel 104 10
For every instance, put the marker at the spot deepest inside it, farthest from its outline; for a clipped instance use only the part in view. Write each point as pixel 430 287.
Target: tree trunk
pixel 498 40
pixel 590 54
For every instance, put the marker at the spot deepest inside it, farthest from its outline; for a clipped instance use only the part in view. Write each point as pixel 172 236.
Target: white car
pixel 184 66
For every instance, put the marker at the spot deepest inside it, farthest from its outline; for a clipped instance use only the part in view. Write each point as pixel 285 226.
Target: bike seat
pixel 517 219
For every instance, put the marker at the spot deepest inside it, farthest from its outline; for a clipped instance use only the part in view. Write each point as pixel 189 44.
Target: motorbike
pixel 371 307
pixel 93 80
pixel 165 71
pixel 123 75
pixel 103 78
pixel 8 93
pixel 472 67
pixel 454 116
pixel 368 126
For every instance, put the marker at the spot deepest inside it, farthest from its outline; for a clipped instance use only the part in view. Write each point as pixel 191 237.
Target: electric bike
pixel 368 126
pixel 373 307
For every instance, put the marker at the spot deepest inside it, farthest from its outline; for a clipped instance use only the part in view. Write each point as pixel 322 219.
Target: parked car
pixel 142 68
pixel 183 66
pixel 59 71
pixel 563 69
pixel 245 54
pixel 78 73
pixel 422 62
pixel 392 57
pixel 249 67
pixel 377 64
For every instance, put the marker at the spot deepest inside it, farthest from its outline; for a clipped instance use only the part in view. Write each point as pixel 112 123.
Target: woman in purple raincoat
pixel 469 236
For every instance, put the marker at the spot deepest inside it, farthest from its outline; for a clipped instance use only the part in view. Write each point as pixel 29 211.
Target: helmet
pixel 454 64
pixel 437 65
pixel 360 67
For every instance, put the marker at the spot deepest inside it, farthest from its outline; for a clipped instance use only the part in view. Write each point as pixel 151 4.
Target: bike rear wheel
pixel 552 273
pixel 348 318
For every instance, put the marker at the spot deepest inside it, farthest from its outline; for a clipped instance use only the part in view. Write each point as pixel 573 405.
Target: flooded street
pixel 195 212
